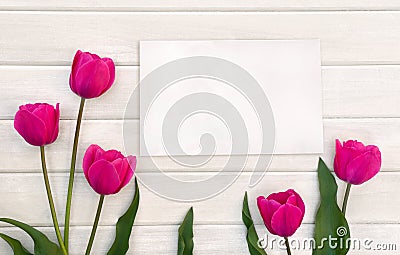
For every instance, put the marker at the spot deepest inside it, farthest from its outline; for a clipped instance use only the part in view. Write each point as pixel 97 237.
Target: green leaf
pixel 185 238
pixel 330 221
pixel 124 226
pixel 251 236
pixel 15 245
pixel 42 245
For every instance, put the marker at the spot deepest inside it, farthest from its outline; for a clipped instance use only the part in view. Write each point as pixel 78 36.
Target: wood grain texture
pixel 367 205
pixel 347 91
pixel 196 5
pixel 209 239
pixel 109 134
pixel 346 37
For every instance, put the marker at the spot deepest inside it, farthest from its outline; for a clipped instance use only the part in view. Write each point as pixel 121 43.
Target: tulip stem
pixel 346 198
pixel 95 224
pixel 72 174
pixel 51 202
pixel 287 246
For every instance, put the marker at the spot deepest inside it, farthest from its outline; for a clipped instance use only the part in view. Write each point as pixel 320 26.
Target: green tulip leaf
pixel 124 226
pixel 251 236
pixel 42 244
pixel 185 238
pixel 15 245
pixel 330 222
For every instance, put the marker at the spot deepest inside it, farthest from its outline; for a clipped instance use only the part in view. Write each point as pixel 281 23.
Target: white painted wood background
pixel 360 44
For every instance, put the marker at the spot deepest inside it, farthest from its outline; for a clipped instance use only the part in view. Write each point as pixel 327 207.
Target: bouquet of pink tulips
pixel 107 172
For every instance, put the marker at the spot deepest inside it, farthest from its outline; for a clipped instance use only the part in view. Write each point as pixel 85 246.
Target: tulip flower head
pixel 91 75
pixel 37 123
pixel 356 163
pixel 107 171
pixel 282 212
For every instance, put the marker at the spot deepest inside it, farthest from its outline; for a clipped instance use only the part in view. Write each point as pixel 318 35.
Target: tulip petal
pixel 296 200
pixel 56 123
pixel 354 144
pixel 286 220
pixel 344 154
pixel 280 197
pixel 112 155
pixel 99 154
pixel 94 56
pixel 338 162
pixel 89 158
pixel 48 115
pixel 103 177
pixel 111 69
pixel 92 78
pixel 30 127
pixel 43 111
pixel 73 70
pixel 82 58
pixel 352 149
pixel 267 209
pixel 120 167
pixel 131 161
pixel 30 107
pixel 124 171
pixel 262 204
pixel 79 59
pixel 128 177
pixel 72 83
pixel 364 167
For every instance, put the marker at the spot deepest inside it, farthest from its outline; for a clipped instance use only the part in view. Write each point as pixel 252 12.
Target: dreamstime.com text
pixel 366 244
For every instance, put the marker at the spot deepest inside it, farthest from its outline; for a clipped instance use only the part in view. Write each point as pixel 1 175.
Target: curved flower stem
pixel 287 246
pixel 346 198
pixel 51 202
pixel 72 174
pixel 95 224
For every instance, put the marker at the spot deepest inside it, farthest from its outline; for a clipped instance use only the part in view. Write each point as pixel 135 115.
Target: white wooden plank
pixel 208 239
pixel 373 202
pixel 17 156
pixel 208 5
pixel 346 37
pixel 347 91
pixel 52 85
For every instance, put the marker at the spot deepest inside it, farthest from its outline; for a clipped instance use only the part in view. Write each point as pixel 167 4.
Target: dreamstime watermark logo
pixel 341 231
pixel 333 242
pixel 155 86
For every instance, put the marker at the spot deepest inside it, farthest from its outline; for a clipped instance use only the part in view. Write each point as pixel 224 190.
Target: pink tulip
pixel 91 75
pixel 37 123
pixel 107 171
pixel 356 163
pixel 282 212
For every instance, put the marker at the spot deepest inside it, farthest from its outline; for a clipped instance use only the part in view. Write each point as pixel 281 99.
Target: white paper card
pixel 288 72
